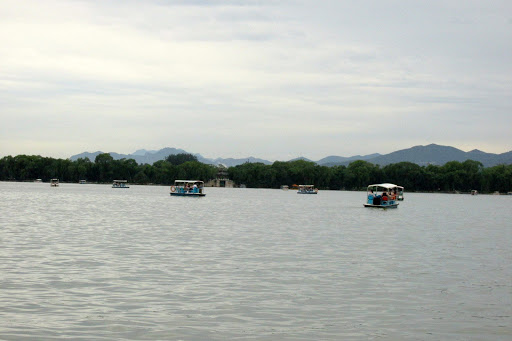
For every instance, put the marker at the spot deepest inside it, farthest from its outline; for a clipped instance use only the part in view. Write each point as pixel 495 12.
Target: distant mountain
pixel 336 160
pixel 439 155
pixel 142 152
pixel 148 157
pixel 152 157
pixel 230 162
pixel 421 155
pixel 85 155
pixel 504 158
pixel 142 156
pixel 301 158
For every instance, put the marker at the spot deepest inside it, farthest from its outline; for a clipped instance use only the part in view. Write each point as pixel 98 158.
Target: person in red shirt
pixel 384 196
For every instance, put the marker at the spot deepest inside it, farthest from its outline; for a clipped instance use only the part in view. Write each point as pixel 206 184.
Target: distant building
pixel 221 180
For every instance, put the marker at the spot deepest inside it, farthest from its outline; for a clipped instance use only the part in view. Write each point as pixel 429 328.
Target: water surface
pixel 89 262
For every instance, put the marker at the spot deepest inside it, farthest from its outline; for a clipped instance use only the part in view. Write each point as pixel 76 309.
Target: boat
pixel 474 192
pixel 82 182
pixel 120 184
pixel 54 182
pixel 377 192
pixel 307 189
pixel 399 193
pixel 188 188
pixel 285 187
pixel 39 181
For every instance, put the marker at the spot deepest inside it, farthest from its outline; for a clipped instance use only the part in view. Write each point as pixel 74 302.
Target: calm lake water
pixel 88 262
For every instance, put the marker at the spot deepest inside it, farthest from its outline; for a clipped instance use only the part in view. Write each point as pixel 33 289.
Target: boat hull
pixel 175 194
pixel 381 206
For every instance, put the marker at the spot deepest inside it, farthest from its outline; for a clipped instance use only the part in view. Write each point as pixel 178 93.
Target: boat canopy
pixel 188 182
pixel 385 185
pixel 120 181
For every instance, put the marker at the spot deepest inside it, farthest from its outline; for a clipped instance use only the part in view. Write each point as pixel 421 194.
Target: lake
pixel 87 262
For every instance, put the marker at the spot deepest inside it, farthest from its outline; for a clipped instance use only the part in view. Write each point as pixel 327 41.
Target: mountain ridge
pixel 422 155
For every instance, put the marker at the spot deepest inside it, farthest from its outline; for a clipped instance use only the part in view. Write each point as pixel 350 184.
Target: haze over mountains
pixel 421 155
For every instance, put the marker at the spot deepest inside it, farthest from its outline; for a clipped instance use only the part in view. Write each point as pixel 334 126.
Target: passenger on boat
pixel 384 197
pixel 377 199
pixel 392 195
pixel 370 197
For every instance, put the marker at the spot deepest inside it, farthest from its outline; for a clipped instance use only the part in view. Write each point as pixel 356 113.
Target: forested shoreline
pixel 452 176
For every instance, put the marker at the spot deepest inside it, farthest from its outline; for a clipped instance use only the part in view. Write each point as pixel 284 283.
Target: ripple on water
pixel 91 262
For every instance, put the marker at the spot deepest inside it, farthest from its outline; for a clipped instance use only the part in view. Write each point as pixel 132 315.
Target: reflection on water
pixel 92 262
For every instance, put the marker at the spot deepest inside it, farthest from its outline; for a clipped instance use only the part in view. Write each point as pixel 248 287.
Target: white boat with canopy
pixel 382 196
pixel 120 184
pixel 54 182
pixel 400 193
pixel 188 188
pixel 307 189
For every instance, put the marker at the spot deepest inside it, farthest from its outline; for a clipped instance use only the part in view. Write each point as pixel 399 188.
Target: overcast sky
pixel 270 79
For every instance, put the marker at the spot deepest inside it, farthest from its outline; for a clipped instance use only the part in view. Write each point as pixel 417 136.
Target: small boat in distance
pixel 382 196
pixel 474 192
pixel 307 189
pixel 285 187
pixel 120 184
pixel 400 193
pixel 188 188
pixel 82 182
pixel 39 181
pixel 54 182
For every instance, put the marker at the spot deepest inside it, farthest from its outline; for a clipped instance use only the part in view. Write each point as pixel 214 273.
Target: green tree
pixel 105 163
pixel 407 174
pixel 360 174
pixel 337 177
pixel 178 159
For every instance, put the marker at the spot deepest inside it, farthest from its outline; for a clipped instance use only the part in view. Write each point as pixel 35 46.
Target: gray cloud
pixel 262 78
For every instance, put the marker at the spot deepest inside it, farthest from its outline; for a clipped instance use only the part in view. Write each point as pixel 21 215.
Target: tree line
pixel 104 169
pixel 452 176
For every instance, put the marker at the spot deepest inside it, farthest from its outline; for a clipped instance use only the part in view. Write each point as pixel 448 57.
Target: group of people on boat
pixel 307 189
pixel 387 197
pixel 192 189
pixel 187 188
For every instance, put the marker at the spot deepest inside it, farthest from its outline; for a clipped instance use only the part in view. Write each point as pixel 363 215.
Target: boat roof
pixel 306 185
pixel 120 180
pixel 385 185
pixel 189 181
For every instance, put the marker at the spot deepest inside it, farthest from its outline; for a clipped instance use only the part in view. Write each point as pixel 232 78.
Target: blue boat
pixel 188 188
pixel 382 195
